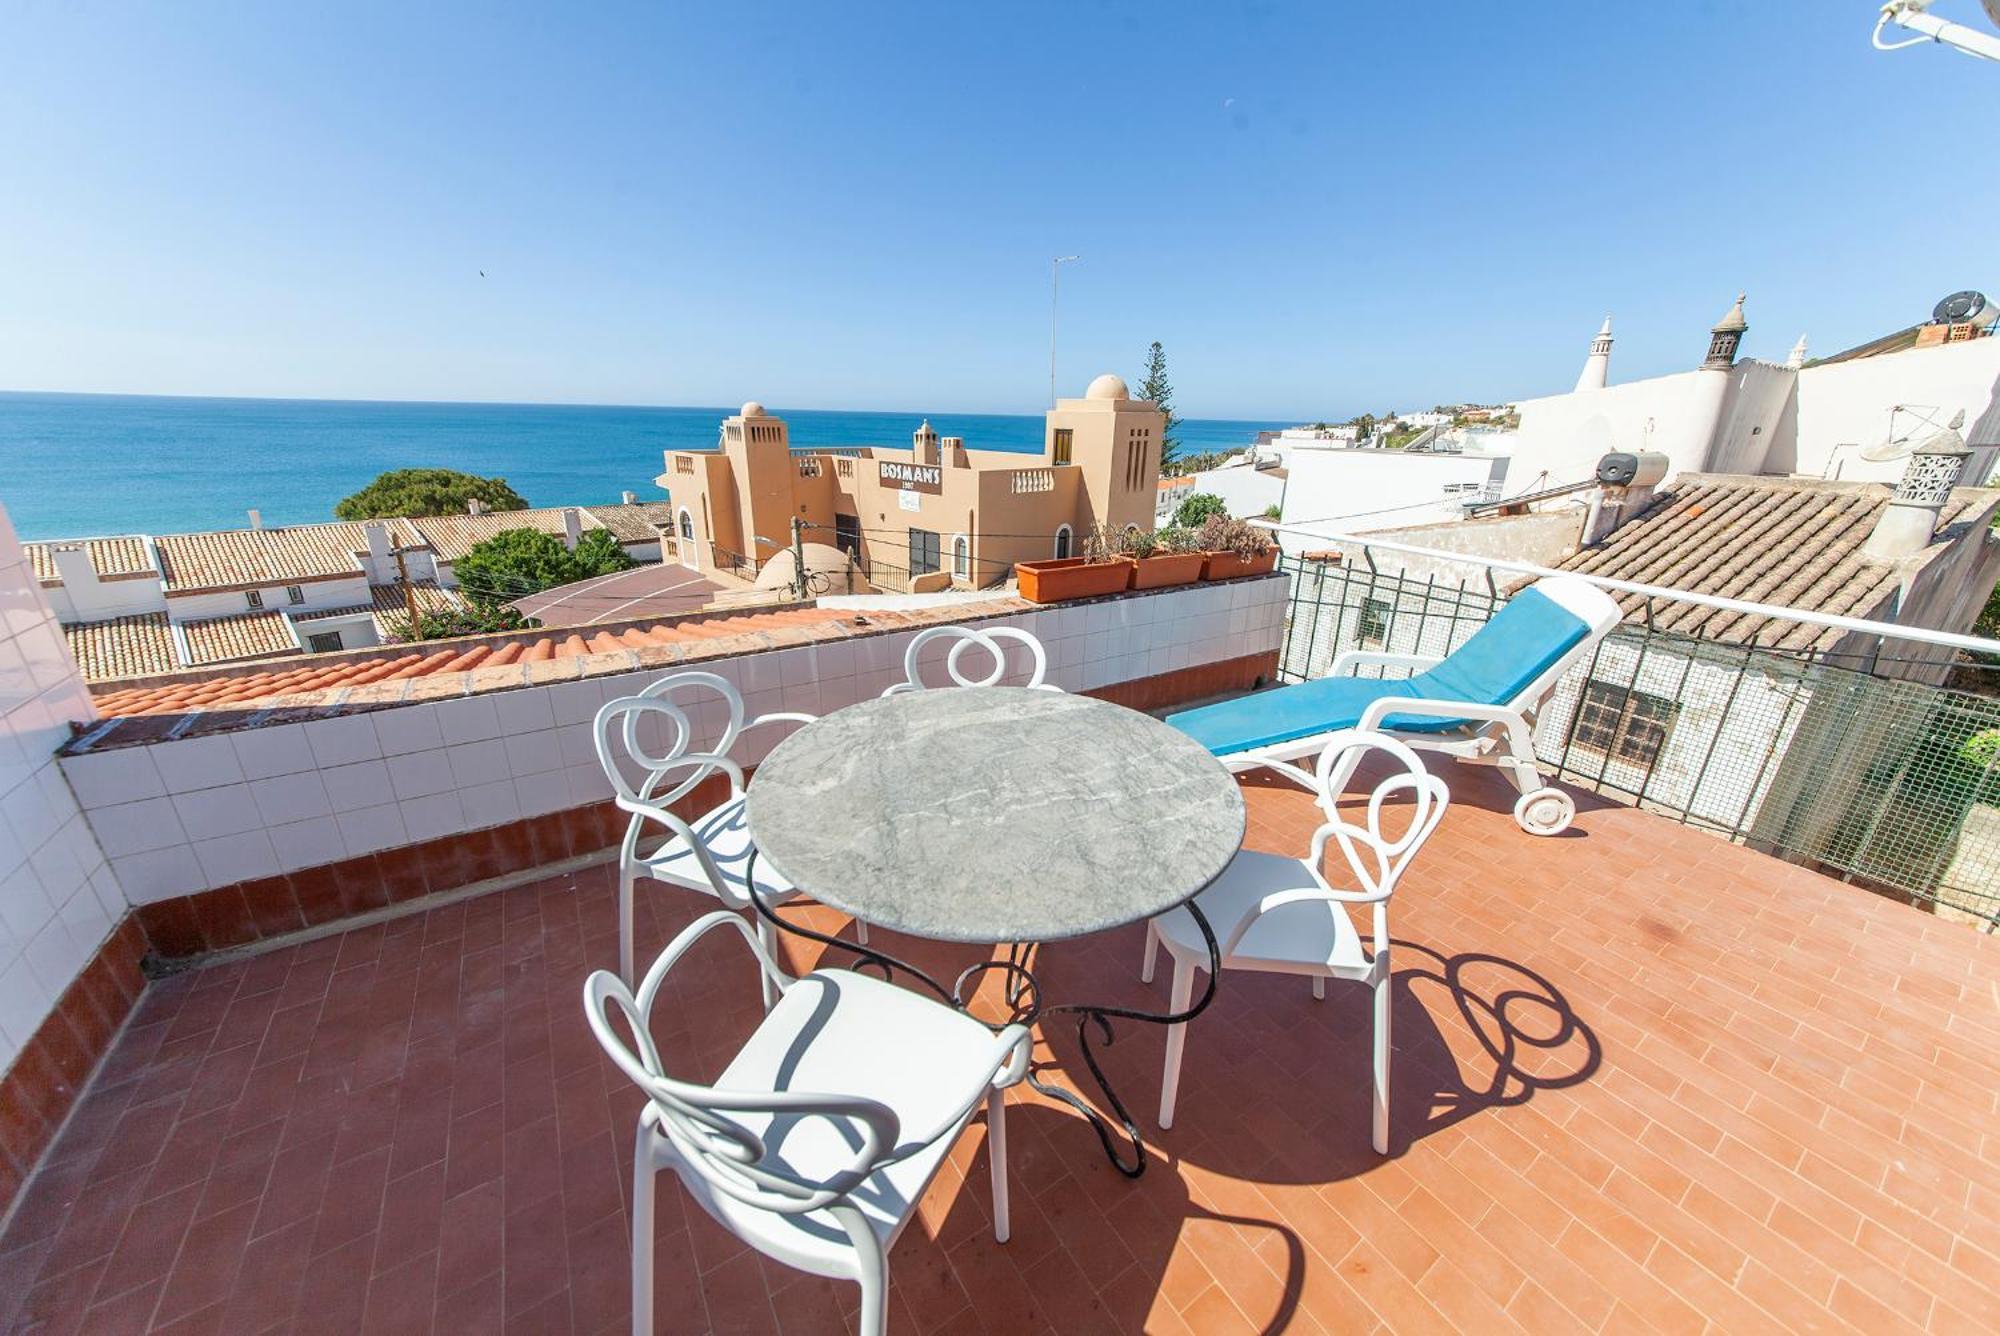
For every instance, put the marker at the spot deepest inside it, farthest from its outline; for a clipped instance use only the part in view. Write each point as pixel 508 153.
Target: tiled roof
pixel 344 671
pixel 123 556
pixel 386 601
pixel 238 558
pixel 247 635
pixel 452 536
pixel 123 647
pixel 1794 543
pixel 640 522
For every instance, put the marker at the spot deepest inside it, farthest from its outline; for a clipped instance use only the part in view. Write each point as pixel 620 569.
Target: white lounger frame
pixel 1501 735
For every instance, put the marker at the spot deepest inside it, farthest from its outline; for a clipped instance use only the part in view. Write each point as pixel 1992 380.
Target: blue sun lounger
pixel 1477 703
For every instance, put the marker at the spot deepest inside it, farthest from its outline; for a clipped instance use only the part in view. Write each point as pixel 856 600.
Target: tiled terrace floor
pixel 1644 1079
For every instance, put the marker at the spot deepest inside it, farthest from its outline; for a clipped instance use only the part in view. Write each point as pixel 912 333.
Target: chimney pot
pixel 572 527
pixel 1909 521
pixel 630 498
pixel 256 518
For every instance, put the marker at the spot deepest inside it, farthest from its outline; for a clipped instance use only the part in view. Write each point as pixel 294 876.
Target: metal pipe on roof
pixel 1920 635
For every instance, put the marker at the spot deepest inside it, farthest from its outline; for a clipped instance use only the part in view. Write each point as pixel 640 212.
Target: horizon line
pixel 723 409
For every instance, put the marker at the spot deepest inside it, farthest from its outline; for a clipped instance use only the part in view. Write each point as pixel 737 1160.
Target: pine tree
pixel 1155 386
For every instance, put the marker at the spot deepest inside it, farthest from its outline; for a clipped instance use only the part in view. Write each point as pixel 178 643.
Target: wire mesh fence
pixel 1889 783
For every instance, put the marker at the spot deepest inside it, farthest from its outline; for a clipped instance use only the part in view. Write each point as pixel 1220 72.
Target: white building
pixel 134 604
pixel 1850 417
pixel 1820 420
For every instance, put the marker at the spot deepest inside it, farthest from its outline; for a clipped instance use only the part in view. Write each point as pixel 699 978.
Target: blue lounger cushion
pixel 1502 659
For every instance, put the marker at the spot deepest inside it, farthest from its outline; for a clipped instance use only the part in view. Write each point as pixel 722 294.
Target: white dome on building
pixel 1107 386
pixel 828 570
pixel 753 409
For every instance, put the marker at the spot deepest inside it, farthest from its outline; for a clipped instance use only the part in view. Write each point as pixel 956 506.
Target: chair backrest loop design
pixel 993 641
pixel 1377 858
pixel 705 1123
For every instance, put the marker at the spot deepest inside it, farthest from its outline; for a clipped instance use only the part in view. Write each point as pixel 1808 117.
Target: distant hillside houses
pixel 137 604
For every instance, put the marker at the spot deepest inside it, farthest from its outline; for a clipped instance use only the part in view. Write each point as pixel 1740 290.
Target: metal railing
pixel 1889 783
pixel 732 563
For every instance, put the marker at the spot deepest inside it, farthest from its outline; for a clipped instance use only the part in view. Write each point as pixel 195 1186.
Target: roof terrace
pixel 1646 1074
pixel 1645 1079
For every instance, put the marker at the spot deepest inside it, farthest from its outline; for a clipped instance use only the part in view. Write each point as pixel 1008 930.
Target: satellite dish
pixel 1900 447
pixel 1963 308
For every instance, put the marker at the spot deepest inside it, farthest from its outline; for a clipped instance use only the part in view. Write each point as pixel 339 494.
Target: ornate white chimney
pixel 1910 520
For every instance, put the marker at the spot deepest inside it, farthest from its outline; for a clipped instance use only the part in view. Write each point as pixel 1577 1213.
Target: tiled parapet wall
pixel 231 825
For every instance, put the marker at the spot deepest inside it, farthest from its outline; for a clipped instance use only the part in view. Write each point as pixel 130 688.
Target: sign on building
pixel 927 478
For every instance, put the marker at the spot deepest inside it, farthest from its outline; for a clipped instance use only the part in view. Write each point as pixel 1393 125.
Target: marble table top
pixel 994 814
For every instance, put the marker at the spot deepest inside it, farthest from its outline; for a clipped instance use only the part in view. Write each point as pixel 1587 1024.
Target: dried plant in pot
pixel 1166 557
pixel 1236 548
pixel 1101 569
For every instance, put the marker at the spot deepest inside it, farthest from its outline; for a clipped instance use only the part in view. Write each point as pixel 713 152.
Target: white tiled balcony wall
pixel 183 816
pixel 59 899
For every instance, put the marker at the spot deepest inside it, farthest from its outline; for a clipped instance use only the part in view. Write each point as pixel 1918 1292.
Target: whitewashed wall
pixel 182 816
pixel 58 898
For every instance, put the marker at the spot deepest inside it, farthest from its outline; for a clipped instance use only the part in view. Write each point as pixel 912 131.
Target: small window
pixel 687 526
pixel 1375 614
pixel 326 642
pixel 923 552
pixel 1063 537
pixel 1065 440
pixel 295 594
pixel 961 558
pixel 1622 723
pixel 254 597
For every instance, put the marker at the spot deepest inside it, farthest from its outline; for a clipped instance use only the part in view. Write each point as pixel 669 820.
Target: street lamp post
pixel 1055 276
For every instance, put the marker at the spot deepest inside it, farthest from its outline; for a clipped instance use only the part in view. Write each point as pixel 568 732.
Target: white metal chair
pixel 1477 703
pixel 712 852
pixel 993 640
pixel 1281 915
pixel 817 1141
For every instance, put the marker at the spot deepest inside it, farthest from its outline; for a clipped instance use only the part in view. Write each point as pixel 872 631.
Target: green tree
pixel 1364 427
pixel 427 492
pixel 445 623
pixel 1155 386
pixel 517 562
pixel 1198 507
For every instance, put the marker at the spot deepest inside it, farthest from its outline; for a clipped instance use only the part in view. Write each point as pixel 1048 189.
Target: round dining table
pixel 999 815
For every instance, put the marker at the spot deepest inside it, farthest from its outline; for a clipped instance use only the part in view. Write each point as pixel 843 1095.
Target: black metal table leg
pixel 1085 1015
pixel 1021 982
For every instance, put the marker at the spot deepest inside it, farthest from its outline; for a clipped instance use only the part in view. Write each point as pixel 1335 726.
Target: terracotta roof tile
pixel 123 556
pixel 639 522
pixel 240 558
pixel 347 670
pixel 1791 542
pixel 452 536
pixel 123 647
pixel 247 635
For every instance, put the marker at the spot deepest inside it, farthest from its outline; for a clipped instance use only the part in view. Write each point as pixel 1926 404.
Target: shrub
pixel 1198 508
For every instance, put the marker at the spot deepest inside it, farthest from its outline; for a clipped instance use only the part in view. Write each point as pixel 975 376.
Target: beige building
pixel 937 515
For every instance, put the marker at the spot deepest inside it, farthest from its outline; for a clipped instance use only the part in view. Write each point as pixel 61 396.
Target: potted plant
pixel 1235 548
pixel 1102 569
pixel 1168 557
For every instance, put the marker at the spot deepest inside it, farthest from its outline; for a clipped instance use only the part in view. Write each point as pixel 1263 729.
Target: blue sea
pixel 73 465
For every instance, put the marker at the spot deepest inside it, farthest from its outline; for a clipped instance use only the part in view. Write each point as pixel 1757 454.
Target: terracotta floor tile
pixel 1642 1078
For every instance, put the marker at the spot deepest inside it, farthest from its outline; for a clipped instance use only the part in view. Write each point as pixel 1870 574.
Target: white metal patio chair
pixel 1281 915
pixel 816 1142
pixel 992 640
pixel 1477 703
pixel 710 853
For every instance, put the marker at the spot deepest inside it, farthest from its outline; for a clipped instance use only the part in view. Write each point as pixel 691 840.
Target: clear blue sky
pixel 1318 208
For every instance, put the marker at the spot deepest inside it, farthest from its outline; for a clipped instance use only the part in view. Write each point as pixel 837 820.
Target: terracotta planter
pixel 1229 566
pixel 1072 577
pixel 1168 569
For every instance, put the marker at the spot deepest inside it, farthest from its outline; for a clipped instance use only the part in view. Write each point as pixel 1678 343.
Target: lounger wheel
pixel 1545 811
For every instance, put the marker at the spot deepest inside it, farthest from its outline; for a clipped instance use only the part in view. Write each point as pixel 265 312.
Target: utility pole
pixel 799 557
pixel 409 594
pixel 1055 278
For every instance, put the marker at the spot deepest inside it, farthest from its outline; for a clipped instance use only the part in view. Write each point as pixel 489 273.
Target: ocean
pixel 74 465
